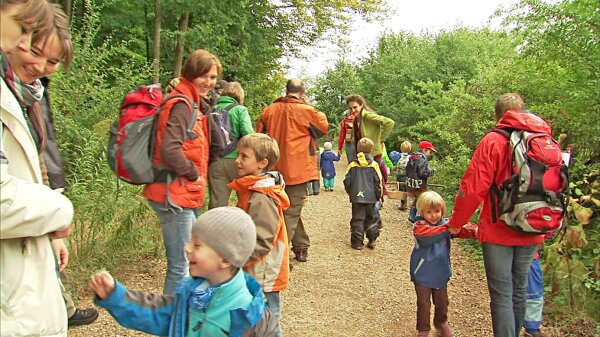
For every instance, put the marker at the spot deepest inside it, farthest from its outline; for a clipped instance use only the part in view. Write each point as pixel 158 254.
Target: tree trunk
pixel 68 9
pixel 183 26
pixel 156 47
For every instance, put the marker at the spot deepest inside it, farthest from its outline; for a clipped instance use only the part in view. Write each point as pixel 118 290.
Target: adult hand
pixel 61 252
pixel 102 283
pixel 61 234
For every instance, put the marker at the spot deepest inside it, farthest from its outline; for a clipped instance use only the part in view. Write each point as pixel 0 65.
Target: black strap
pixel 494 192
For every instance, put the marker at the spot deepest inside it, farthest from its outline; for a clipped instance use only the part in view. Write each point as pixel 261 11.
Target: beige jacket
pixel 31 301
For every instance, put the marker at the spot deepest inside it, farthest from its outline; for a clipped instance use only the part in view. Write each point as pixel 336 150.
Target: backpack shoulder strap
pixel 231 106
pixel 505 132
pixel 193 106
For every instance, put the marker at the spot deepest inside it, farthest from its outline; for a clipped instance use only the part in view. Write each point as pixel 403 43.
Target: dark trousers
pixel 363 222
pixel 440 301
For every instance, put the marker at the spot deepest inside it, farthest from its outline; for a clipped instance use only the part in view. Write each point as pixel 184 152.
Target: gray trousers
pixel 220 173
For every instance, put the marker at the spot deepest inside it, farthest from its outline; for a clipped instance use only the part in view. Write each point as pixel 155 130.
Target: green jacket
pixel 239 117
pixel 375 127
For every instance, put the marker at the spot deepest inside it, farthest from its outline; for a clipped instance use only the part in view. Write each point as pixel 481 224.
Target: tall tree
pixel 156 46
pixel 183 27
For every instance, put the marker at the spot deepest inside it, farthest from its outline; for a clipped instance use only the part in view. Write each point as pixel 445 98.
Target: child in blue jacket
pixel 430 263
pixel 327 167
pixel 219 299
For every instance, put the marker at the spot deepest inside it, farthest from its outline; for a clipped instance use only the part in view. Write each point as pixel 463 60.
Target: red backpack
pixel 132 136
pixel 533 199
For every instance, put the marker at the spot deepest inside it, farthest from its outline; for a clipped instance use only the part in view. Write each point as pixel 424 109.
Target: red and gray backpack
pixel 132 136
pixel 533 199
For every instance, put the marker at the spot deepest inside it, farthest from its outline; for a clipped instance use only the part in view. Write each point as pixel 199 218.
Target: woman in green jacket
pixel 367 123
pixel 223 170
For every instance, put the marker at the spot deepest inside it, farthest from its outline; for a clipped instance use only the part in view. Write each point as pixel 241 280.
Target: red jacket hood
pixel 523 120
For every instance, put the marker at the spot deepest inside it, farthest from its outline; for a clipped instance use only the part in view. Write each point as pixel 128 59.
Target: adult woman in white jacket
pixel 30 215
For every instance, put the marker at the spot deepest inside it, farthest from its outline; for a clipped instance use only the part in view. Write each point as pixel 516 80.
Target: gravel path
pixel 341 291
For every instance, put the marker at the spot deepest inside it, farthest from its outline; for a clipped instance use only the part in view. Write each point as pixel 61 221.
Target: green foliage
pixel 572 263
pixel 85 100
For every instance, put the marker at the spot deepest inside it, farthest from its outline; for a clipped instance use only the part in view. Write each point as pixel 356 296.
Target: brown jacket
pixel 295 126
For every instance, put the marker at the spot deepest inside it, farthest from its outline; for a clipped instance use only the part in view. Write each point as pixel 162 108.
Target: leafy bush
pixel 85 100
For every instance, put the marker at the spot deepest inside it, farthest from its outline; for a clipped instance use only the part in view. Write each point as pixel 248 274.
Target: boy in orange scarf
pixel 261 194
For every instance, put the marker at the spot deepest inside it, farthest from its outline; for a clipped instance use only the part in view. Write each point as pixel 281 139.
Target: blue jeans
pixel 535 298
pixel 176 225
pixel 506 270
pixel 273 301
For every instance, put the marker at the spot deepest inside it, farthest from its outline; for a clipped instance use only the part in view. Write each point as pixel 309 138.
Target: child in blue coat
pixel 218 300
pixel 327 167
pixel 430 262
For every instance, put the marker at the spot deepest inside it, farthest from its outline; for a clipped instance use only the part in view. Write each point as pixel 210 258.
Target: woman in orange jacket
pixel 183 152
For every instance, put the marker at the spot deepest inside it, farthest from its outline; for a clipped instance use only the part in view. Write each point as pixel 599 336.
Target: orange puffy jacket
pixel 264 199
pixel 181 191
pixel 295 126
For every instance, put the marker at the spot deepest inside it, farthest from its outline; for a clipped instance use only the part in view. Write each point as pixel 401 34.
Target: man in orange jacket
pixel 296 126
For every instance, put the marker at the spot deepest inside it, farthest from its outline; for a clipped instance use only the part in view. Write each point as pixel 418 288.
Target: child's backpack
pixel 222 139
pixel 533 199
pixel 132 136
pixel 401 164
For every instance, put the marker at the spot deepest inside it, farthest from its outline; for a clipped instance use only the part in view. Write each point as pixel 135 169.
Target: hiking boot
pixel 445 330
pixel 536 334
pixel 423 334
pixel 357 247
pixel 301 255
pixel 371 244
pixel 83 317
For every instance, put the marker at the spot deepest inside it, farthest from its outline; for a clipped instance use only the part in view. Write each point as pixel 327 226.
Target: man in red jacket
pixel 507 254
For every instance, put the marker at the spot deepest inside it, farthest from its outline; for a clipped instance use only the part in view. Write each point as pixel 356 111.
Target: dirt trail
pixel 341 291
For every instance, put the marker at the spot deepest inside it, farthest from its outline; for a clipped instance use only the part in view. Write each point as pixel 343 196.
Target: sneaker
pixel 445 330
pixel 536 334
pixel 357 247
pixel 372 244
pixel 423 334
pixel 83 317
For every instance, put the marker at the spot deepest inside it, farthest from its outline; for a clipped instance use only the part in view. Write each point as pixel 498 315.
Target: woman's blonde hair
pixel 35 14
pixel 60 27
pixel 405 147
pixel 263 146
pixel 430 199
pixel 235 91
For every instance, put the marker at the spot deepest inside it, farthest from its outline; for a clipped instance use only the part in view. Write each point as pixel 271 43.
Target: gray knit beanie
pixel 229 231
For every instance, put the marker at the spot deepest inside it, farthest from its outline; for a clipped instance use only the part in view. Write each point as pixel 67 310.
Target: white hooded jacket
pixel 31 301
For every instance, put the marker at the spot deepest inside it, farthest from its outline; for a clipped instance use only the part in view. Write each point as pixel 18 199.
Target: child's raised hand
pixel 102 283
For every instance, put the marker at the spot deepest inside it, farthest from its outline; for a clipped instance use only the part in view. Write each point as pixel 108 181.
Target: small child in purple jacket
pixel 327 167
